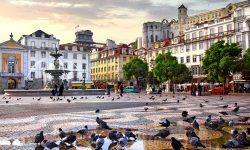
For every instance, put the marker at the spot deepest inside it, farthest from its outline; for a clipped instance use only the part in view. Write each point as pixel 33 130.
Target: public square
pixel 22 119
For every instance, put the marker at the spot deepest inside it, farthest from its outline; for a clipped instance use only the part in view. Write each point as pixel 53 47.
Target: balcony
pixel 39 48
pixel 240 18
pixel 6 74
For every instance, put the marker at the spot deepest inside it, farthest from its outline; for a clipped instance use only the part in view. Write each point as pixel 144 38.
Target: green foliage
pixel 220 61
pixel 167 68
pixel 135 68
pixel 244 68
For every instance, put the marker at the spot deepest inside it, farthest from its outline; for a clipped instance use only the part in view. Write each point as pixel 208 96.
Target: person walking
pixel 121 89
pixel 199 89
pixel 194 90
pixel 108 89
pixel 61 88
pixel 191 89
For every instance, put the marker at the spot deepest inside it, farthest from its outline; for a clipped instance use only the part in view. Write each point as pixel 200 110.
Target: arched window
pixel 11 63
pixel 152 38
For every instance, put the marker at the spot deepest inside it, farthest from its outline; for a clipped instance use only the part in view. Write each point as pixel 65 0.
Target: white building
pixel 39 45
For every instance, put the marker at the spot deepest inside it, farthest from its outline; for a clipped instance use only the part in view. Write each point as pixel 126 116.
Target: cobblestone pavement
pixel 27 116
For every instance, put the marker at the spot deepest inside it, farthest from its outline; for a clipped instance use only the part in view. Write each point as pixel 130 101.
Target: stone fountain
pixel 57 72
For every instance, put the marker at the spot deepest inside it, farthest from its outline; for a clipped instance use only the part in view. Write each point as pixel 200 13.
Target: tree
pixel 167 68
pixel 245 65
pixel 220 61
pixel 135 68
pixel 151 78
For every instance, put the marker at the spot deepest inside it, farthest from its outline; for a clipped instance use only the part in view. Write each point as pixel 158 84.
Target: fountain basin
pixel 56 72
pixel 47 92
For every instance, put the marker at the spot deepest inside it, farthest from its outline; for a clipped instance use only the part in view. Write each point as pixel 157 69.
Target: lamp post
pixel 152 68
pixel 84 77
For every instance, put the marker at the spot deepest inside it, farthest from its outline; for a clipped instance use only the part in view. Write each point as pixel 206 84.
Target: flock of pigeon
pixel 238 139
pixel 97 140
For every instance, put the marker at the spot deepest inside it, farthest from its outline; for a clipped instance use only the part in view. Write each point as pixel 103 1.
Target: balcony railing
pixel 6 74
pixel 39 48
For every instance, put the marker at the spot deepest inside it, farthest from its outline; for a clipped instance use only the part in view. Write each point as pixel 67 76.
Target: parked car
pixel 131 89
pixel 156 90
pixel 218 90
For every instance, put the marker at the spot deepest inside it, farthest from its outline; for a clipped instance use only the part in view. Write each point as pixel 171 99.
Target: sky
pixel 119 20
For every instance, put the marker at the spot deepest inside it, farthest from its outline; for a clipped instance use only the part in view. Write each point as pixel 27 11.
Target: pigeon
pixel 163 133
pixel 231 143
pixel 221 120
pixel 248 131
pixel 225 106
pixel 129 134
pixel 242 139
pixel 119 135
pixel 223 113
pixel 196 125
pixel 221 98
pixel 118 97
pixel 146 107
pixel 83 131
pixel 243 119
pixel 39 138
pixel 39 99
pixel 102 123
pixel 190 119
pixel 81 97
pixel 113 99
pixel 6 102
pixel 184 98
pixel 201 105
pixel 212 125
pixel 51 97
pixel 62 134
pixel 235 104
pixel 234 132
pixel 165 100
pixel 165 124
pixel 209 118
pixel 99 143
pixel 97 111
pixel 184 114
pixel 195 142
pixel 122 142
pixel 178 101
pixel 176 145
pixel 68 100
pixel 49 144
pixel 191 133
pixel 112 136
pixel 93 138
pixel 236 109
pixel 231 123
pixel 70 139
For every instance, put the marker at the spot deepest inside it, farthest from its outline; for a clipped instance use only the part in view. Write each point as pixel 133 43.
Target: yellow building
pixel 107 61
pixel 13 65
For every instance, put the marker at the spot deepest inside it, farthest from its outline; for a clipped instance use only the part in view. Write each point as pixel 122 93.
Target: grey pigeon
pixel 232 143
pixel 163 133
pixel 184 114
pixel 122 143
pixel 99 143
pixel 83 131
pixel 39 138
pixel 50 145
pixel 190 119
pixel 102 123
pixel 70 139
pixel 112 136
pixel 165 124
pixel 195 142
pixel 129 134
pixel 62 134
pixel 196 125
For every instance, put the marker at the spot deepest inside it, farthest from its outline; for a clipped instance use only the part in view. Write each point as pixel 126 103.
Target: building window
pixel 43 45
pixel 211 31
pixel 43 64
pixel 32 75
pixel 194 46
pixel 188 59
pixel 187 36
pixel 65 65
pixel 75 66
pixel 201 34
pixel 65 55
pixel 33 53
pixel 43 54
pixel 194 35
pixel 11 66
pixel 239 13
pixel 53 45
pixel 194 59
pixel 32 64
pixel 187 48
pixel 211 42
pixel 74 56
pixel 182 60
pixel 229 27
pixel 220 29
pixel 83 66
pixel 33 44
pixel 156 38
pixel 152 38
pixel 83 56
pixel 240 26
pixel 229 39
pixel 201 45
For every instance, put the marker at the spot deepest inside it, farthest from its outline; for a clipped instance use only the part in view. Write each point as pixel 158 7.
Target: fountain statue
pixel 56 73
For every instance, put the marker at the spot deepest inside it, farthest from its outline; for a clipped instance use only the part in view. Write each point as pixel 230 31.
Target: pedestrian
pixel 194 90
pixel 199 89
pixel 191 89
pixel 61 88
pixel 54 91
pixel 108 89
pixel 121 89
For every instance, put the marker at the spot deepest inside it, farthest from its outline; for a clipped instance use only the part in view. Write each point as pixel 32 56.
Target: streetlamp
pixel 84 77
pixel 152 68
